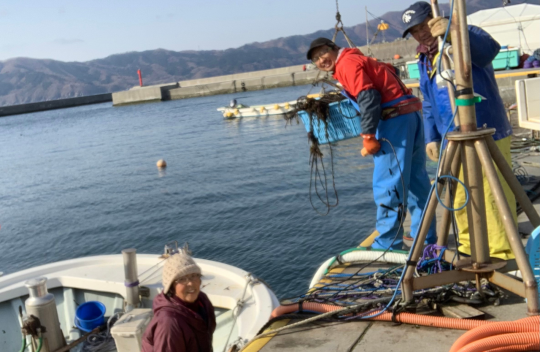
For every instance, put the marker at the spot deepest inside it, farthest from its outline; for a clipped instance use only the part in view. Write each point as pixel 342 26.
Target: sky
pixel 85 30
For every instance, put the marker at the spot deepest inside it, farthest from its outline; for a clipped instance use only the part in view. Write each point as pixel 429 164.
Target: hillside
pixel 25 80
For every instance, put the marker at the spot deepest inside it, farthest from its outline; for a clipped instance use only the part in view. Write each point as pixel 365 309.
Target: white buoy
pixel 161 164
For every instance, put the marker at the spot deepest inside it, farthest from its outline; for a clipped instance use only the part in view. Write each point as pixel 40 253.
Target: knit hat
pixel 177 266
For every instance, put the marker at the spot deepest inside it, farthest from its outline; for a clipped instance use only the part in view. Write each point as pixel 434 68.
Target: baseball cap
pixel 317 43
pixel 415 14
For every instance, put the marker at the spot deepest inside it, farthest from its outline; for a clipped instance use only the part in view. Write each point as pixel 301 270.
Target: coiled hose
pixel 504 334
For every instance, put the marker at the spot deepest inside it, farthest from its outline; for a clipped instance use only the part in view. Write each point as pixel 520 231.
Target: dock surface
pixel 364 336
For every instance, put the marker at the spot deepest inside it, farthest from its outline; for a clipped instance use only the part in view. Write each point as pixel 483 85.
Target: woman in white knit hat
pixel 184 319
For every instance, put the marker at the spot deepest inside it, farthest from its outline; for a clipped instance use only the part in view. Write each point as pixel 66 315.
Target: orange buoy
pixel 397 56
pixel 161 164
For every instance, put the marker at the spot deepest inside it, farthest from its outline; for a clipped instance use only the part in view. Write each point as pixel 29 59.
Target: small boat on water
pixel 239 110
pixel 242 303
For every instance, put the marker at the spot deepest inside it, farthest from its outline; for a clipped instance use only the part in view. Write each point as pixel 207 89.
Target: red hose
pixel 520 335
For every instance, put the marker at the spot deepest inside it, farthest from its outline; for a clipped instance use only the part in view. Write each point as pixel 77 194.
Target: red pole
pixel 140 77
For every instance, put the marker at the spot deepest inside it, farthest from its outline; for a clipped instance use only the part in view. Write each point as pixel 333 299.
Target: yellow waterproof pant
pixel 499 246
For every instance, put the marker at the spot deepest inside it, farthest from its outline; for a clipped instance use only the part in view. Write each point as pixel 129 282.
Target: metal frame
pixel 475 149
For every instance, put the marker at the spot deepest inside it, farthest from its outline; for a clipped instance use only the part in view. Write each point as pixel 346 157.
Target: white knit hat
pixel 177 266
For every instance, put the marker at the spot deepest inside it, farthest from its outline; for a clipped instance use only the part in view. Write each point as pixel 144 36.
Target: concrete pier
pixel 142 94
pixel 241 82
pixel 54 104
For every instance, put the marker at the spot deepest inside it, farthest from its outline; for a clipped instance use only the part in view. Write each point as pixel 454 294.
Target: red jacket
pixel 177 328
pixel 357 73
pixel 371 83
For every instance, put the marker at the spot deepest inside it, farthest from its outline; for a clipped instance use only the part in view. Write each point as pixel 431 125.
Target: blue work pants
pixel 406 133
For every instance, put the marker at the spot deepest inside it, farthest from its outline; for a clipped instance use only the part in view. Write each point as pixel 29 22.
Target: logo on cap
pixel 407 16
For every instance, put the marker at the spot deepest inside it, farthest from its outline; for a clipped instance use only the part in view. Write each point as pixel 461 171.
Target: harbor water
pixel 83 181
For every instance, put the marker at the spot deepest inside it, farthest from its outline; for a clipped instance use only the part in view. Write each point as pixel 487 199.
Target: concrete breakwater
pixel 54 104
pixel 240 82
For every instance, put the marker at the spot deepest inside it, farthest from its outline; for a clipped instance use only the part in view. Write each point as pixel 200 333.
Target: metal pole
pixel 444 229
pixel 367 30
pixel 531 289
pixel 476 208
pixel 424 227
pixel 463 66
pixel 131 278
pixel 445 61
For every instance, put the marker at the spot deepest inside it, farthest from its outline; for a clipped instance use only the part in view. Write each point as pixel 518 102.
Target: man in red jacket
pixel 389 112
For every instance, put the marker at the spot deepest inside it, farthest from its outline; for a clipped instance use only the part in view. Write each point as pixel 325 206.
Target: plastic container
pixel 90 315
pixel 339 127
pixel 533 251
pixel 412 68
pixel 129 329
pixel 505 59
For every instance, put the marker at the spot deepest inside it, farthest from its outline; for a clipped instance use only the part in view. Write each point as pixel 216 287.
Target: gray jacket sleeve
pixel 369 102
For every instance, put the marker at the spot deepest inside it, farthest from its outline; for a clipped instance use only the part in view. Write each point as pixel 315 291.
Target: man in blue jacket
pixel 437 112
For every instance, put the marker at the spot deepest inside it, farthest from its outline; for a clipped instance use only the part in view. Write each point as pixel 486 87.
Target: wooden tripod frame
pixel 474 149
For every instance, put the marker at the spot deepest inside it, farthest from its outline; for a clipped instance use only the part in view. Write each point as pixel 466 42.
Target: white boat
pixel 243 304
pixel 257 110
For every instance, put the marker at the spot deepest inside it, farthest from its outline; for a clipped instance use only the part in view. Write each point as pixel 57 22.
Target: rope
pixel 152 273
pixel 236 312
pixel 102 341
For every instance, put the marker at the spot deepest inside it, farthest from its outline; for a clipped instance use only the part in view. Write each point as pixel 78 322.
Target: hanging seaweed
pixel 318 112
pixel 314 107
pixel 316 179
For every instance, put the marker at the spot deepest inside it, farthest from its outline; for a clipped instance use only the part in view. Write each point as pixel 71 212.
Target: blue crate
pixel 339 127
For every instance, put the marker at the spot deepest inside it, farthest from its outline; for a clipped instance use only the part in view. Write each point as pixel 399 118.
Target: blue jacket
pixel 436 105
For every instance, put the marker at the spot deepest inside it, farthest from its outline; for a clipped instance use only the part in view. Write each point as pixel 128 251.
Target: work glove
pixel 432 150
pixel 438 26
pixel 371 145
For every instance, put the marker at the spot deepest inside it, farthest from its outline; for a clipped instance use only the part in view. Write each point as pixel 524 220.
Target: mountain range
pixel 26 80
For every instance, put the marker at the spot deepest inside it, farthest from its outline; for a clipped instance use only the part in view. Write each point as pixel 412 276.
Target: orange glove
pixel 371 145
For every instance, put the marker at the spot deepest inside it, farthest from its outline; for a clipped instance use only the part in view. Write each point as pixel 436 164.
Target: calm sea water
pixel 83 181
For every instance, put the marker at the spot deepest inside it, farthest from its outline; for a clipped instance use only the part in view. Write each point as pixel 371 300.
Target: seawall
pixel 240 82
pixel 54 104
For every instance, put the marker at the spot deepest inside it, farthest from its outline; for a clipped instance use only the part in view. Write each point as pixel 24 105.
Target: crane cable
pixel 339 28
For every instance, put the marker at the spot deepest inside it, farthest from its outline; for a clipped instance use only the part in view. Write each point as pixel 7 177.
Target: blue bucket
pixel 89 315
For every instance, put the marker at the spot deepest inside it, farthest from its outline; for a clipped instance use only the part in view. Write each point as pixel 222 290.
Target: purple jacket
pixel 177 328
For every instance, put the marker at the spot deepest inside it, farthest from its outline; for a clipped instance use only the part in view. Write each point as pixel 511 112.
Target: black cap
pixel 415 14
pixel 317 43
